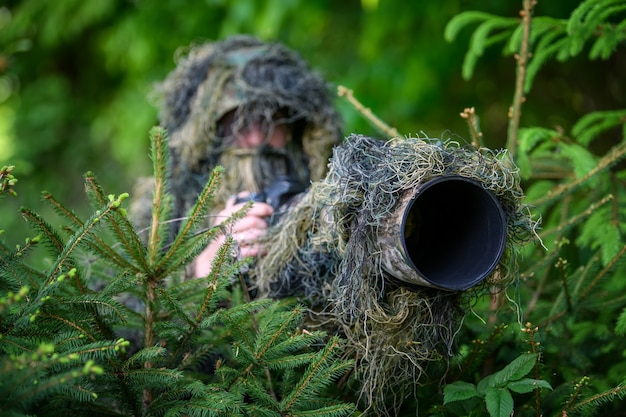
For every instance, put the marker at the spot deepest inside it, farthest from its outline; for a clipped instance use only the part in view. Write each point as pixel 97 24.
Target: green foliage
pixel 571 280
pixel 7 180
pixel 110 328
pixel 73 80
pixel 593 22
pixel 491 30
pixel 496 389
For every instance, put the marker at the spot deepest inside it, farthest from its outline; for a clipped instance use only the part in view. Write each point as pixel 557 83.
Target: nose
pixel 251 137
pixel 254 136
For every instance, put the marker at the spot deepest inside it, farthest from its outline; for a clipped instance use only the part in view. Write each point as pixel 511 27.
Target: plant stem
pixel 367 112
pixel 515 112
pixel 469 114
pixel 149 334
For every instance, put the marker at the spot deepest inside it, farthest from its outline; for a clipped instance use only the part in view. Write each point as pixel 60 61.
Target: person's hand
pixel 245 231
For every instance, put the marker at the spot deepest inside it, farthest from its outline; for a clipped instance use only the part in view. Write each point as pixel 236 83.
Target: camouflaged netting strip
pixel 326 247
pixel 255 80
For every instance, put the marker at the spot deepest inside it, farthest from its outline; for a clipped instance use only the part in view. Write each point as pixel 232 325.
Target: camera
pixel 278 194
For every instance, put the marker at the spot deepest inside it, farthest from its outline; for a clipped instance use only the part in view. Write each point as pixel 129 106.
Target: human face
pixel 274 133
pixel 253 137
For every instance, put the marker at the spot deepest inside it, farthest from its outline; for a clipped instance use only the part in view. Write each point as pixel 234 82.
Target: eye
pixel 224 126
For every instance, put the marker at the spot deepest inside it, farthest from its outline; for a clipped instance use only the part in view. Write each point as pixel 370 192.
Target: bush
pixel 98 331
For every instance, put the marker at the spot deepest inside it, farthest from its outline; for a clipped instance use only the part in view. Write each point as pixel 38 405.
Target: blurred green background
pixel 76 77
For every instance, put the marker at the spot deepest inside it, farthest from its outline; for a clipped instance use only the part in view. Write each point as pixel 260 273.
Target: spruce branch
pixel 122 229
pixel 610 158
pixel 572 221
pixel 602 273
pixel 276 328
pixel 71 324
pixel 169 262
pixel 575 395
pixel 599 399
pixel 94 243
pixel 15 271
pixel 7 180
pixel 561 266
pixel 320 372
pixel 222 268
pixel 65 258
pixel 160 158
pixel 51 238
pixel 219 265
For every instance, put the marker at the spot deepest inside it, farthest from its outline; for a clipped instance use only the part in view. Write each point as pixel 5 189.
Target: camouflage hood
pixel 254 80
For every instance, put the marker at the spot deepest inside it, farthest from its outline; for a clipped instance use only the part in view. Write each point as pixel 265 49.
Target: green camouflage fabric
pixel 254 80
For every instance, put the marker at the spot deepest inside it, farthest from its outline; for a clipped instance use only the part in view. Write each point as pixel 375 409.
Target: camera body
pixel 278 194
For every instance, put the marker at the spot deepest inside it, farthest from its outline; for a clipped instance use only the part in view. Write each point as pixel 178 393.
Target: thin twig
pixel 609 159
pixel 365 111
pixel 469 114
pixel 515 111
pixel 576 219
pixel 602 273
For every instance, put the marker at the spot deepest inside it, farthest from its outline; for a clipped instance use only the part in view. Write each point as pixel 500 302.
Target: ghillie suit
pixel 327 250
pixel 218 90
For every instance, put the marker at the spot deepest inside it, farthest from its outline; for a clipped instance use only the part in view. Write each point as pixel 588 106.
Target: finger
pixel 250 223
pixel 253 250
pixel 232 201
pixel 258 209
pixel 248 237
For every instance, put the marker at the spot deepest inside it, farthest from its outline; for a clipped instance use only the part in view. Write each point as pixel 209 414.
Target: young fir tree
pixel 110 327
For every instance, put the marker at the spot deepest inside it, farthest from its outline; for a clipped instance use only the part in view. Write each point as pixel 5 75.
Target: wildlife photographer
pixel 386 240
pixel 258 110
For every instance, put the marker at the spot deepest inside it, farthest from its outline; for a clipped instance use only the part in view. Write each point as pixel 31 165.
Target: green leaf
pixel 545 48
pixel 599 232
pixel 461 20
pixel 515 370
pixel 527 385
pixel 583 161
pixel 529 139
pixel 484 384
pixel 612 245
pixel 459 391
pixel 499 402
pixel 591 125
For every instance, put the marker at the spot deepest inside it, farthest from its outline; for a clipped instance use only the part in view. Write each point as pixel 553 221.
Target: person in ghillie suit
pixel 258 110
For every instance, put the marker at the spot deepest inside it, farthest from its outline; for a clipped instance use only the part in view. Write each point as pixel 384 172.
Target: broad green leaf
pixel 484 384
pixel 515 370
pixel 499 402
pixel 527 385
pixel 459 391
